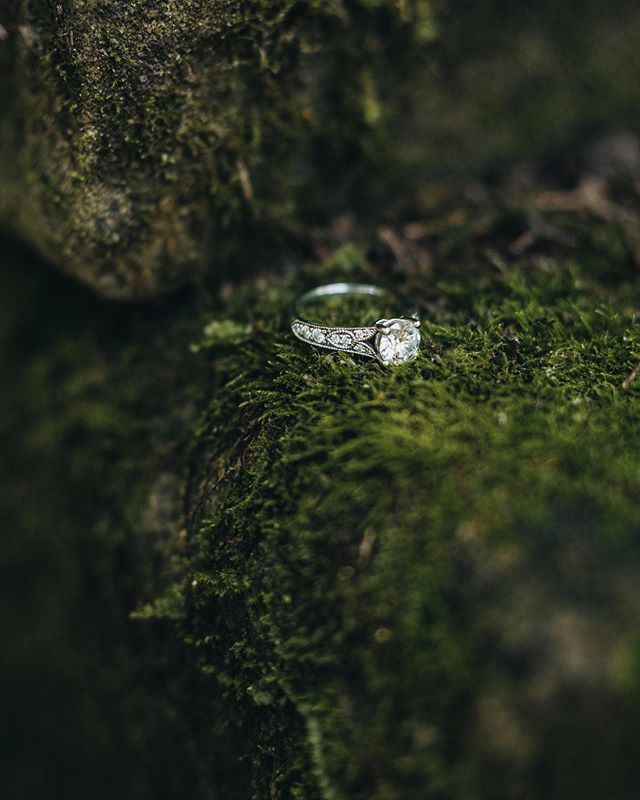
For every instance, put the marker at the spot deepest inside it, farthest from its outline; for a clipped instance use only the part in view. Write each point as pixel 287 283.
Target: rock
pixel 141 140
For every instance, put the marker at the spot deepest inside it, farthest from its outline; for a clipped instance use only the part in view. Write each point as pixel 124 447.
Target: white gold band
pixel 390 341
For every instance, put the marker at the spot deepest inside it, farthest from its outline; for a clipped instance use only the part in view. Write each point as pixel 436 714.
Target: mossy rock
pixel 430 569
pixel 410 583
pixel 239 567
pixel 142 141
pixel 146 146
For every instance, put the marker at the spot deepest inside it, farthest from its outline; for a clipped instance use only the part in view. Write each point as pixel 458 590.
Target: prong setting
pixel 397 340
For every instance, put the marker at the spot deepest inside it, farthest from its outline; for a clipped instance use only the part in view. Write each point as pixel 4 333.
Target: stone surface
pixel 148 143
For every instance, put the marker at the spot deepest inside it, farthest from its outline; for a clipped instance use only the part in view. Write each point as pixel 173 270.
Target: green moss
pixel 152 144
pixel 409 583
pixel 431 567
pixel 239 567
pixel 90 480
pixel 147 139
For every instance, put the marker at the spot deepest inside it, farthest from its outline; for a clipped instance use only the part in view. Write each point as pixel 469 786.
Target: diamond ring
pixel 390 341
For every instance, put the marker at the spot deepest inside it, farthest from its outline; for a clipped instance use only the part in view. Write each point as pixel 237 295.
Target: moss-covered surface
pixel 149 143
pixel 410 583
pixel 433 567
pixel 90 504
pixel 238 568
pixel 142 140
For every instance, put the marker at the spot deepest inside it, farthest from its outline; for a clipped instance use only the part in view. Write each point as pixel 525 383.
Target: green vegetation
pixel 399 583
pixel 237 567
pixel 148 139
pixel 433 567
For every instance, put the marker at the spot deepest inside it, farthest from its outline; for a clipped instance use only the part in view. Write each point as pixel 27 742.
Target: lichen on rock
pixel 142 138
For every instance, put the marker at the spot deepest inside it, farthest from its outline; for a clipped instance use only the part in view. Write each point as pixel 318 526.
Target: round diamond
pixel 341 339
pixel 400 343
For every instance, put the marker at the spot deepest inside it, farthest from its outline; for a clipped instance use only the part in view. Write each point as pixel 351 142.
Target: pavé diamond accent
pixel 348 339
pixel 341 339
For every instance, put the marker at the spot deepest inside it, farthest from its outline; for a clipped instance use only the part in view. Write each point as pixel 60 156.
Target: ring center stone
pixel 400 343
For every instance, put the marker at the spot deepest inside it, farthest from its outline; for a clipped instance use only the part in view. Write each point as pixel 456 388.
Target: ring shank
pixel 335 290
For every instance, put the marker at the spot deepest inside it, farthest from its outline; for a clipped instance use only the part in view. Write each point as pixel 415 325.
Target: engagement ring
pixel 390 341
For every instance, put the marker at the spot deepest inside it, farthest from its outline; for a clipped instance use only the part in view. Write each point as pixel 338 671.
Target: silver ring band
pixel 390 341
